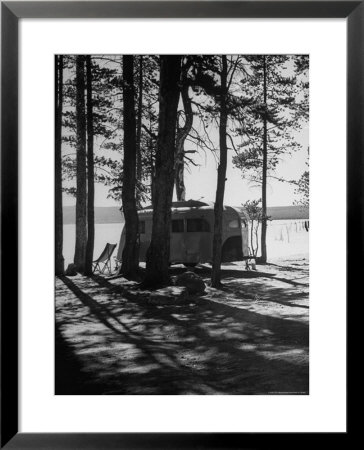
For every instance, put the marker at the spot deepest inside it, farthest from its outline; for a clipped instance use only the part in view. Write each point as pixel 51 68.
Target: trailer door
pixel 178 249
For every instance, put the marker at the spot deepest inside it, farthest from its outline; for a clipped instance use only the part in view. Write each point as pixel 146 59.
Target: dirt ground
pixel 251 337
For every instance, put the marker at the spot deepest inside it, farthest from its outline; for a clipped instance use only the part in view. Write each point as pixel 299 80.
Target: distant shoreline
pixel 112 214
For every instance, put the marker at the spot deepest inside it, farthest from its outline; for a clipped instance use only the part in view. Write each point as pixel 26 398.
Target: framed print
pixel 237 336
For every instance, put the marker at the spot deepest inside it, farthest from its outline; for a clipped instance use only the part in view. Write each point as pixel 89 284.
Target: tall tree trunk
pixel 159 249
pixel 151 150
pixel 90 171
pixel 180 147
pixel 182 134
pixel 81 201
pixel 130 256
pixel 264 169
pixel 59 260
pixel 221 176
pixel 139 129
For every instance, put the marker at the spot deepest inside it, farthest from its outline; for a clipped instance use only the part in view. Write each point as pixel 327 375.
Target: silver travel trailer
pixel 192 225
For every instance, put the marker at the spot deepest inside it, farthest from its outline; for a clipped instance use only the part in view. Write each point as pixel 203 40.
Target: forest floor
pixel 251 337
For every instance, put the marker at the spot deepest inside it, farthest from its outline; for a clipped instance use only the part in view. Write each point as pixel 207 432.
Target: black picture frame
pixel 11 12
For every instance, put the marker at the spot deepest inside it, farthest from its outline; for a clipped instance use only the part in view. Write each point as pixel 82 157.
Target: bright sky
pixel 201 181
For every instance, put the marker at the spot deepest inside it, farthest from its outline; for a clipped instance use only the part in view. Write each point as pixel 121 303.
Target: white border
pixel 324 408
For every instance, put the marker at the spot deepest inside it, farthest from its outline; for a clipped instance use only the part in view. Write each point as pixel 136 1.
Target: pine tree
pixel 90 171
pixel 107 125
pixel 183 131
pixel 59 260
pixel 220 102
pixel 81 188
pixel 280 106
pixel 130 256
pixel 221 175
pixel 139 168
pixel 158 253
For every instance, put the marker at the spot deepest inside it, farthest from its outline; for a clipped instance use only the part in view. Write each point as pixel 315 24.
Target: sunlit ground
pixel 249 338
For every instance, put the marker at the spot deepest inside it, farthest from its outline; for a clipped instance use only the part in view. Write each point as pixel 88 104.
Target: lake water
pixel 104 233
pixel 285 238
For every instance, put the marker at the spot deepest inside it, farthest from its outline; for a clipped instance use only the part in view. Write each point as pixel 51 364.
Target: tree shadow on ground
pixel 274 294
pixel 290 268
pixel 69 379
pixel 228 273
pixel 127 346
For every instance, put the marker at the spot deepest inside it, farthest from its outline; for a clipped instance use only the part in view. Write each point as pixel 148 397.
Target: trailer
pixel 192 225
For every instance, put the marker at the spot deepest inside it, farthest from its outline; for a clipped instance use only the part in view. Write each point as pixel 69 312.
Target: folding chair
pixel 104 258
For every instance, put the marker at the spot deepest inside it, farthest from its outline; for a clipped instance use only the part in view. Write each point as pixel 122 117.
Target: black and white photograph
pixel 181 224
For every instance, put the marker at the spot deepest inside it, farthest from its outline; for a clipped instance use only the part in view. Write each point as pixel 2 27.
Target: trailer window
pixel 197 225
pixel 177 226
pixel 141 227
pixel 234 224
